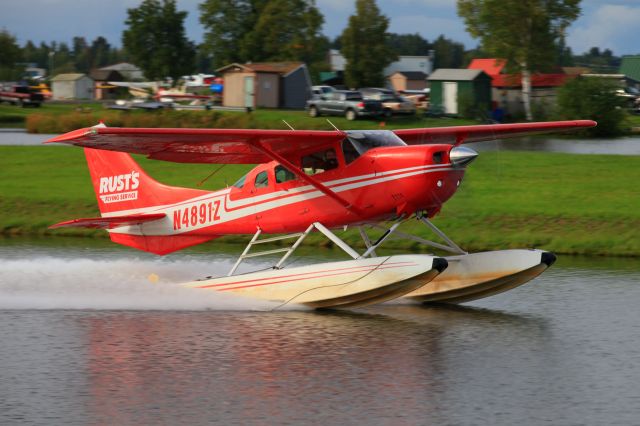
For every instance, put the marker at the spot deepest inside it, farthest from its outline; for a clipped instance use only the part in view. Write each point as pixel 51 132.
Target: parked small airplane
pixel 308 181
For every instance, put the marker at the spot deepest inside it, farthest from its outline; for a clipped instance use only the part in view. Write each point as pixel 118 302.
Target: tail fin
pixel 123 188
pixel 121 184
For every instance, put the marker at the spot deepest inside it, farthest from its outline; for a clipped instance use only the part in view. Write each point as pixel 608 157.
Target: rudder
pixel 120 184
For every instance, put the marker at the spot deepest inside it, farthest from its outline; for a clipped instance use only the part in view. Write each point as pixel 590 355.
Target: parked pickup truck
pixel 392 103
pixel 21 95
pixel 350 104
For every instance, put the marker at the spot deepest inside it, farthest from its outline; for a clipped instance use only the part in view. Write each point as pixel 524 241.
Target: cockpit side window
pixel 283 174
pixel 319 162
pixel 262 180
pixel 349 151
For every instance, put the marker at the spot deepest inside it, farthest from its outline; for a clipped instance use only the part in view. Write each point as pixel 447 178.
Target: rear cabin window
pixel 283 175
pixel 262 180
pixel 319 162
pixel 240 182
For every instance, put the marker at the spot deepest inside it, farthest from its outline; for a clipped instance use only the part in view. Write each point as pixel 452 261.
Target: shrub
pixel 593 99
pixel 470 108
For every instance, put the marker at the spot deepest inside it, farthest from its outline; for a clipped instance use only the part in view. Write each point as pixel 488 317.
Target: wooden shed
pixel 408 80
pixel 104 90
pixel 452 90
pixel 72 86
pixel 266 84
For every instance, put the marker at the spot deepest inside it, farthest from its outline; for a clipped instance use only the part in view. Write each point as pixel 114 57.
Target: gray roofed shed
pixel 454 74
pixel 72 86
pixel 460 91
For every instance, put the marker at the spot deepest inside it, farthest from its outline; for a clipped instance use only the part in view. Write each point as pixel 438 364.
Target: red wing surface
pixel 485 132
pixel 224 146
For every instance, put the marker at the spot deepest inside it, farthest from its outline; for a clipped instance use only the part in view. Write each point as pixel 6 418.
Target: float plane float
pixel 304 182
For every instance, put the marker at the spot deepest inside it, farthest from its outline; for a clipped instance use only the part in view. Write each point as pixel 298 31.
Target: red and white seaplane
pixel 308 181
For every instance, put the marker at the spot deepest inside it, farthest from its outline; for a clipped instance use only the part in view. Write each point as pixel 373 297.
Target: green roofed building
pixel 630 67
pixel 453 90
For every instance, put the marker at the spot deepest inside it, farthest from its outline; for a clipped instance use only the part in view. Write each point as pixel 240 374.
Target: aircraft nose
pixel 461 156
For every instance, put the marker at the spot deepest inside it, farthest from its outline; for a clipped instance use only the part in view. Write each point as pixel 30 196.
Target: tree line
pixel 56 57
pixel 291 30
pixel 235 31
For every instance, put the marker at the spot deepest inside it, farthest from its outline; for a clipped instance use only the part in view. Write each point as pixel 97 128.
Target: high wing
pixel 485 132
pixel 254 146
pixel 223 146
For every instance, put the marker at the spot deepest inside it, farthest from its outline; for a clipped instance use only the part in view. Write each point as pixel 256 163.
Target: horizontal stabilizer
pixel 109 222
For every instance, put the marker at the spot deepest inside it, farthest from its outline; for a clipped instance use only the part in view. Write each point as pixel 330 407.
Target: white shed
pixel 72 86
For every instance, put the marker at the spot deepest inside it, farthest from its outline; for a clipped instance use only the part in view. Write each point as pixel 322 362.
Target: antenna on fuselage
pixel 288 125
pixel 210 175
pixel 334 126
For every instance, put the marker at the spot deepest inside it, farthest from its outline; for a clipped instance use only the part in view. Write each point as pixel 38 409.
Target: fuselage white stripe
pixel 275 194
pixel 162 226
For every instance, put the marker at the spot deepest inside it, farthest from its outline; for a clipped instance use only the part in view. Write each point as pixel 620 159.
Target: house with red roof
pixel 506 89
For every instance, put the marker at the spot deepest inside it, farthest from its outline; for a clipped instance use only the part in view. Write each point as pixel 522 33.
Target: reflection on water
pixel 20 137
pixel 618 146
pixel 560 350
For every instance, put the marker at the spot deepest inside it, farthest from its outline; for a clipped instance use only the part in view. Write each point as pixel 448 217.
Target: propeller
pixel 462 156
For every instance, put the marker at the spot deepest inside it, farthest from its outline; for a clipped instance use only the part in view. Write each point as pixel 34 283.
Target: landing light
pixel 462 156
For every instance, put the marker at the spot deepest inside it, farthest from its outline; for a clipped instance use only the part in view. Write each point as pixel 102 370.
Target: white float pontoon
pixel 353 283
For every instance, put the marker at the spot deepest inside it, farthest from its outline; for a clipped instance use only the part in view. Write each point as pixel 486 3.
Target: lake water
pixel 88 339
pixel 617 146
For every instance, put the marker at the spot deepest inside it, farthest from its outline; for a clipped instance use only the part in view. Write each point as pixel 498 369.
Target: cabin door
pixel 450 97
pixel 248 92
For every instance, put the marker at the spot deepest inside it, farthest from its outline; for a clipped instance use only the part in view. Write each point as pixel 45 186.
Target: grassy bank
pixel 16 117
pixel 64 117
pixel 633 121
pixel 60 117
pixel 579 204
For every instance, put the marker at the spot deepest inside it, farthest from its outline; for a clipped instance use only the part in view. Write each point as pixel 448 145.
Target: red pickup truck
pixel 22 95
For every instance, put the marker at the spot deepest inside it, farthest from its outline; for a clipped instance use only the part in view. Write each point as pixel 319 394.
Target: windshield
pixel 240 182
pixel 364 140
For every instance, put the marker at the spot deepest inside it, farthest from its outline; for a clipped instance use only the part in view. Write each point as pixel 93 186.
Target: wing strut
pixel 305 177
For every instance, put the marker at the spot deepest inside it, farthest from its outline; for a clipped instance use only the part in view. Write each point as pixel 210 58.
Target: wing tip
pixel 586 123
pixel 70 136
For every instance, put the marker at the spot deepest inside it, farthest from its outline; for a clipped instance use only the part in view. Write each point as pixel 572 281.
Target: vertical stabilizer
pixel 120 184
pixel 122 187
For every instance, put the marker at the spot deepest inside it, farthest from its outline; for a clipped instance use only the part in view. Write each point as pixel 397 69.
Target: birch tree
pixel 524 32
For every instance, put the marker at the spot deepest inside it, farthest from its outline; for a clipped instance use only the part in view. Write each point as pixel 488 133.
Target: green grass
pixel 578 204
pixel 64 117
pixel 584 204
pixel 634 120
pixel 274 118
pixel 15 116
